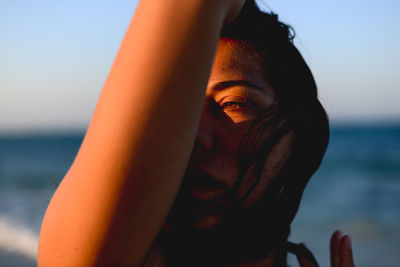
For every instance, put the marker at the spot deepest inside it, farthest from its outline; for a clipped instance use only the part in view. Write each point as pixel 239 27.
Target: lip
pixel 201 195
pixel 202 185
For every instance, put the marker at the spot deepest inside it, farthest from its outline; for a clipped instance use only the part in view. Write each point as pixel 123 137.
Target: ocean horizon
pixel 356 189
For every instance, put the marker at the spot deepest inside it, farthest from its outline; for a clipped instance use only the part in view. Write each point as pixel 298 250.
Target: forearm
pixel 118 192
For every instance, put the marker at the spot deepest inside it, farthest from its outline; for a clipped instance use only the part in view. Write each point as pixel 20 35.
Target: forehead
pixel 237 59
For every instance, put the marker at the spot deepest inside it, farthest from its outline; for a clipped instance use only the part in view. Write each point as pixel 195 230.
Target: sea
pixel 356 190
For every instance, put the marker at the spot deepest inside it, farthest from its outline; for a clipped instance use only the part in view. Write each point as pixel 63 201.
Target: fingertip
pixel 335 238
pixel 348 241
pixel 335 247
pixel 346 254
pixel 338 233
pixel 345 243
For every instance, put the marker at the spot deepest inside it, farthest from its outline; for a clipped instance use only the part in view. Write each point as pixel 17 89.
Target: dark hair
pixel 296 110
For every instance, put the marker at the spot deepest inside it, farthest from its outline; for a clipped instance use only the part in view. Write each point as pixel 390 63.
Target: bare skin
pixel 122 177
pixel 236 92
pixel 116 196
pixel 341 252
pixel 220 133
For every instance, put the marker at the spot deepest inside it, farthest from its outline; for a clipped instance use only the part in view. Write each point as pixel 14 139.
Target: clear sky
pixel 55 56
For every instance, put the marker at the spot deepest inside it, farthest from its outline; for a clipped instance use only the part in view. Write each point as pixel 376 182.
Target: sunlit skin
pixel 237 92
pixel 117 195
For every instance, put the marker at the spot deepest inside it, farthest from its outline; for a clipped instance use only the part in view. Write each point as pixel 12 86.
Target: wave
pixel 16 238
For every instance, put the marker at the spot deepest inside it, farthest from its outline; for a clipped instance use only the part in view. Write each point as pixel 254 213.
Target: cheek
pixel 229 140
pixel 272 167
pixel 224 159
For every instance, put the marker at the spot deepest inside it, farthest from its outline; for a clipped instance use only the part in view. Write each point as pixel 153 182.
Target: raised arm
pixel 113 201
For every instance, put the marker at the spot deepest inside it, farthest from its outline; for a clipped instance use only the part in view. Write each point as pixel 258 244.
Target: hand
pixel 341 252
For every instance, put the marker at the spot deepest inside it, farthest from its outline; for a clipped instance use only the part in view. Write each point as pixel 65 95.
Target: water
pixel 30 169
pixel 357 190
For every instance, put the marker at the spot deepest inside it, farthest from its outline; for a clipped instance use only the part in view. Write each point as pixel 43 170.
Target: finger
pixel 346 254
pixel 303 262
pixel 334 248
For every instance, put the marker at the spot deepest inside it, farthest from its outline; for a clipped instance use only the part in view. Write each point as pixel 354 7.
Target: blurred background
pixel 54 59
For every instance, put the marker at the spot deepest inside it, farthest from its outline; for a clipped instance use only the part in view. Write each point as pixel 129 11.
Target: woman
pixel 166 176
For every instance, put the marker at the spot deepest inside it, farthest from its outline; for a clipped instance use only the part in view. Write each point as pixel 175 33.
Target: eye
pixel 233 106
pixel 236 104
pixel 237 109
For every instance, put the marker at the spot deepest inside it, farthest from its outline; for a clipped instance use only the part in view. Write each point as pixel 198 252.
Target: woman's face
pixel 236 93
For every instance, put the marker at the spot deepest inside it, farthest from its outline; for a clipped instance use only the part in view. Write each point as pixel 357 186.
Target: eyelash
pixel 235 105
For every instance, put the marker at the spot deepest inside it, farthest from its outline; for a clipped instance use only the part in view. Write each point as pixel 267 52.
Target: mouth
pixel 201 198
pixel 202 186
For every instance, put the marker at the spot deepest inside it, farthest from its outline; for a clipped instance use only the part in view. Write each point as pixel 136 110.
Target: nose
pixel 205 134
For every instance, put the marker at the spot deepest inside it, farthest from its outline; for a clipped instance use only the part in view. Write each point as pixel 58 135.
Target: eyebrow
pixel 227 84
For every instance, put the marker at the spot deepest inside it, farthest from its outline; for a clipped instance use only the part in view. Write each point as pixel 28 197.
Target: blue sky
pixel 55 56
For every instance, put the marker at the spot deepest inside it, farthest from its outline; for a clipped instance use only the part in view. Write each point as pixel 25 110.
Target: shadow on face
pixel 237 93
